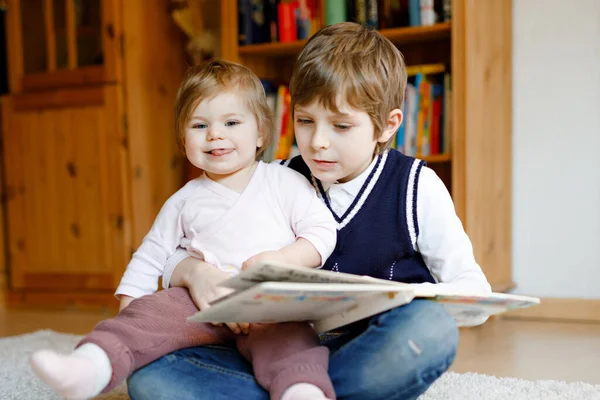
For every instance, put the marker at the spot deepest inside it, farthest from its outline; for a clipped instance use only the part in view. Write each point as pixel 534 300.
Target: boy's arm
pixel 442 241
pixel 124 301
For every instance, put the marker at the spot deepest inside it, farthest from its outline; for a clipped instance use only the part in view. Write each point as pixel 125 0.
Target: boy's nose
pixel 319 140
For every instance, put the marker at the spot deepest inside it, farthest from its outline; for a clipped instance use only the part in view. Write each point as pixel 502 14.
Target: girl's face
pixel 222 136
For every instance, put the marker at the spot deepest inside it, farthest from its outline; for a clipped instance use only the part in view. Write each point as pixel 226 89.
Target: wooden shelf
pixel 437 158
pixel 411 34
pixel 396 35
pixel 273 49
pixel 428 69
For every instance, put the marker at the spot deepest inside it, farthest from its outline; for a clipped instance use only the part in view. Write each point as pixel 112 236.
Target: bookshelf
pixel 476 49
pixel 398 36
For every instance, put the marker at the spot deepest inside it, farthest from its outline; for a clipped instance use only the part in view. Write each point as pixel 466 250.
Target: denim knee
pixel 417 343
pixel 153 381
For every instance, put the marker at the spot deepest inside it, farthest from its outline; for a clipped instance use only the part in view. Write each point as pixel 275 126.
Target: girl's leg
pixel 148 328
pixel 288 358
pixel 395 355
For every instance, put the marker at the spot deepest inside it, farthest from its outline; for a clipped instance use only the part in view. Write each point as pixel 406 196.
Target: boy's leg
pixel 396 355
pixel 285 355
pixel 197 373
pixel 148 328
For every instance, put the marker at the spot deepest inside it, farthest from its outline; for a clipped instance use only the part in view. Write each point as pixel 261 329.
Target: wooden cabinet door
pixel 67 201
pixel 61 43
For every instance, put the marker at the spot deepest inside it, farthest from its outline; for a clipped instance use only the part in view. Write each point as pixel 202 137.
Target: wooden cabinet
pixel 89 150
pixel 62 43
pixel 476 46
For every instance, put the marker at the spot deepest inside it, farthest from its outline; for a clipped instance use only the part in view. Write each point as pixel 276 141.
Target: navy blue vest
pixel 376 240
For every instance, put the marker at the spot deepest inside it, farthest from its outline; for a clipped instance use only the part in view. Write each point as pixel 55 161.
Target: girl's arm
pixel 147 263
pixel 310 219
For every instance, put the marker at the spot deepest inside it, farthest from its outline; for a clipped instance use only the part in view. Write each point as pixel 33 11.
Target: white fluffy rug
pixel 18 382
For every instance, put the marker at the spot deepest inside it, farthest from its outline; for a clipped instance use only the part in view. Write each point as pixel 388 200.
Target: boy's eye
pixel 343 127
pixel 303 121
pixel 232 123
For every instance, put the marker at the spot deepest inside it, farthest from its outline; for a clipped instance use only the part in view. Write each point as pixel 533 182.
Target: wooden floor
pixel 531 350
pixel 502 347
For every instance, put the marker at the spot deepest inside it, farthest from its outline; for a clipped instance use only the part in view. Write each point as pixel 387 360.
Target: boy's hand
pixel 273 256
pixel 203 281
pixel 125 300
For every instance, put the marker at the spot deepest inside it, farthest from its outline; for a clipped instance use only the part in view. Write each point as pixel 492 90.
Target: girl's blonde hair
pixel 211 78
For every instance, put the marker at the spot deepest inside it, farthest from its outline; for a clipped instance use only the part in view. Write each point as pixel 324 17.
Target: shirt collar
pixel 353 187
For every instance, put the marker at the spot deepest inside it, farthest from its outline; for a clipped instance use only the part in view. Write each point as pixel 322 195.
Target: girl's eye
pixel 232 123
pixel 303 121
pixel 199 126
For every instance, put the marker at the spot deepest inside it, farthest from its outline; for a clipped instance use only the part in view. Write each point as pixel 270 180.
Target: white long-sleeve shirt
pixel 444 245
pixel 446 248
pixel 225 228
pixel 442 241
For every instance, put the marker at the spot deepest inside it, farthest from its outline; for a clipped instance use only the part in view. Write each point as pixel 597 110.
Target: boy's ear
pixel 394 120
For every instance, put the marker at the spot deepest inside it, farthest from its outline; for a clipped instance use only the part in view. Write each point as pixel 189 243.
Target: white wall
pixel 556 148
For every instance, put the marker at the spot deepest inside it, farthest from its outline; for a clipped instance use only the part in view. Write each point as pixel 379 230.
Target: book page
pixel 287 273
pixel 271 302
pixel 467 307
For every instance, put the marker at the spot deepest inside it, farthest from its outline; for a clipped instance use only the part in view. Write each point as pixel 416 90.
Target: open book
pixel 268 293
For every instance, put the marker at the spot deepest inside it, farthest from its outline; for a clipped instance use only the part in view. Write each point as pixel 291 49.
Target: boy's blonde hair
pixel 213 77
pixel 354 63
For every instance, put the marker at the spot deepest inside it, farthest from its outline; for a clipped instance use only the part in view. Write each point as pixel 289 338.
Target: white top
pixel 442 241
pixel 225 228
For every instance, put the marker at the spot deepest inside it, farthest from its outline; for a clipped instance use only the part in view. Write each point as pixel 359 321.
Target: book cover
pixel 270 293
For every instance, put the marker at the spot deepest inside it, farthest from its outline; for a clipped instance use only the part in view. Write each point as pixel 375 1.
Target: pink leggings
pixel 155 325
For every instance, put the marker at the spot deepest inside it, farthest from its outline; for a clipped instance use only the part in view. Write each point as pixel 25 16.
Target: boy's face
pixel 221 136
pixel 337 147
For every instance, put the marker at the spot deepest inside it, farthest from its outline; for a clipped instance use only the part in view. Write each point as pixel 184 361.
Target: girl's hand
pixel 272 256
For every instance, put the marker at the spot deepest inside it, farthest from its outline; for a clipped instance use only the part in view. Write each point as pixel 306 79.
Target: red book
pixel 286 13
pixel 435 126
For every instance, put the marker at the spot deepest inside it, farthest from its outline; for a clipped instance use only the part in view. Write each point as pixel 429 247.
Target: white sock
pixel 80 375
pixel 303 391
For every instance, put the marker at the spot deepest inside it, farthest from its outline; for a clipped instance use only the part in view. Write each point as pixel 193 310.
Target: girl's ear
pixel 394 121
pixel 260 141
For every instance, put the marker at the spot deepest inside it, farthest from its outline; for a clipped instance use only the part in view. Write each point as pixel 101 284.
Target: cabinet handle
pixel 72 169
pixel 119 222
pixel 75 230
pixel 110 30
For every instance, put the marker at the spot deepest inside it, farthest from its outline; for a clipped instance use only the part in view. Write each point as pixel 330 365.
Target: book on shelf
pixel 267 21
pixel 271 293
pixel 426 129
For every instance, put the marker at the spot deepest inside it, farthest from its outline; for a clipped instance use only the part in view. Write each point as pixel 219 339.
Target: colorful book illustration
pixel 269 293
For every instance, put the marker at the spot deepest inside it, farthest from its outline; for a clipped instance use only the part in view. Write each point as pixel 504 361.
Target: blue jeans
pixel 394 355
